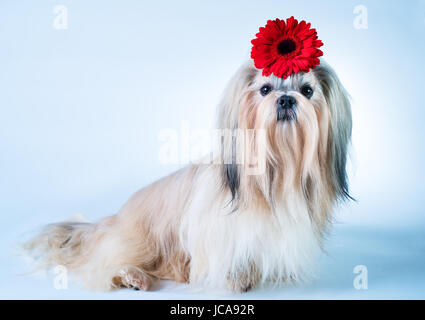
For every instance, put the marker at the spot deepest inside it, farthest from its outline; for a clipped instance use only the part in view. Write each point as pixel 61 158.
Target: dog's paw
pixel 242 288
pixel 135 278
pixel 242 285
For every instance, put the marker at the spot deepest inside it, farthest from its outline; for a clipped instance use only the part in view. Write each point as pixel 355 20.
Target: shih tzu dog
pixel 256 214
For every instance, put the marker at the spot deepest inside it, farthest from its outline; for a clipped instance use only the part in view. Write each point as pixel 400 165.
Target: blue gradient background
pixel 81 110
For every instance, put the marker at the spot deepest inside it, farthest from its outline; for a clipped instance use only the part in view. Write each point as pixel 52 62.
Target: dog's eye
pixel 265 90
pixel 307 91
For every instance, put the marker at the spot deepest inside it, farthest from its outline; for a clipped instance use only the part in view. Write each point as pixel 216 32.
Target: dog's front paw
pixel 134 278
pixel 241 288
pixel 243 283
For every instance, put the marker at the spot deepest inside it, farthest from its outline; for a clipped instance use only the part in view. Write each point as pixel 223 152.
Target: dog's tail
pixel 72 244
pixel 60 243
pixel 95 253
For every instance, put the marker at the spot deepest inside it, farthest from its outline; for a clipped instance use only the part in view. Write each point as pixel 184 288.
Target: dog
pixel 223 224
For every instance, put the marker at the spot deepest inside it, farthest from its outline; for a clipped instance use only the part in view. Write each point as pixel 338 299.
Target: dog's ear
pixel 338 102
pixel 229 111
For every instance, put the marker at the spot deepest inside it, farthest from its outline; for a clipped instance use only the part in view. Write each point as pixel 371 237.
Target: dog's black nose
pixel 286 102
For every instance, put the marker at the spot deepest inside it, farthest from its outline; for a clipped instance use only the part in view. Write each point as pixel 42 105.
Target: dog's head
pixel 302 124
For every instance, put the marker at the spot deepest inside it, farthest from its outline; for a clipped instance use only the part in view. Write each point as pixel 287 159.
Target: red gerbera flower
pixel 285 48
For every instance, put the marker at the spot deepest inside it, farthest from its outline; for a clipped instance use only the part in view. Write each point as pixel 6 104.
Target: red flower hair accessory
pixel 286 48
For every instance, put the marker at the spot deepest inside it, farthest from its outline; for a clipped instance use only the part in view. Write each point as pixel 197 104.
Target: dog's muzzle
pixel 286 108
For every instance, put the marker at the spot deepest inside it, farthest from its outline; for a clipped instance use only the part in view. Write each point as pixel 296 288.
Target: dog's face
pixel 307 123
pixel 286 98
pixel 290 110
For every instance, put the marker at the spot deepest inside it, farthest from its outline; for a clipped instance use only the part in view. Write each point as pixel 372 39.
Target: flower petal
pixel 265 51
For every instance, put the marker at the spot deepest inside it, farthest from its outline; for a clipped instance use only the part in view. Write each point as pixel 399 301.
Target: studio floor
pixel 394 258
